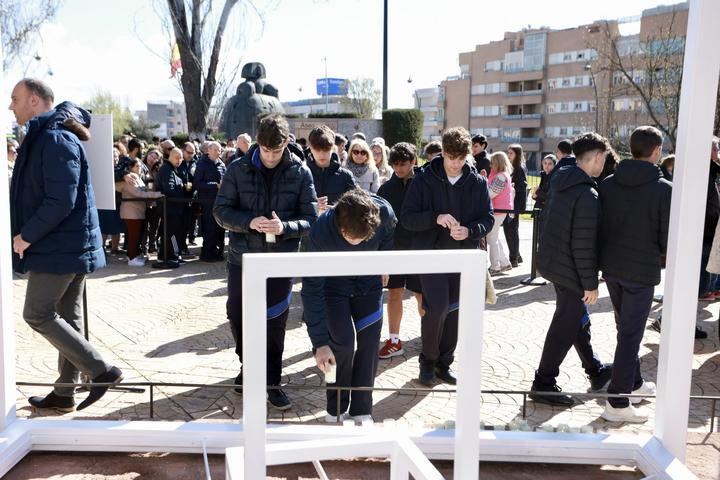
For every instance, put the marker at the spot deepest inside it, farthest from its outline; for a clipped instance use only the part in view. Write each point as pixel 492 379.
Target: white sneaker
pixel 363 419
pixel 334 419
pixel 138 261
pixel 628 414
pixel 647 388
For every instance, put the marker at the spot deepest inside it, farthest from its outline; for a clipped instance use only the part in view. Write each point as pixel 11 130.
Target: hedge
pixel 333 115
pixel 402 125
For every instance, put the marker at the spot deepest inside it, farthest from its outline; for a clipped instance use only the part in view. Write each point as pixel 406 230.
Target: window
pixel 550 108
pixel 579 81
pixel 552 83
pixel 565 82
pixel 494 66
pixel 563 131
pixel 567 57
pixel 564 107
pixel 580 55
pixel 578 107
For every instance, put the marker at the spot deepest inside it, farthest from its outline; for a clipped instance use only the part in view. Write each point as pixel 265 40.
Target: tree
pixel 650 71
pixel 142 128
pixel 199 31
pixel 364 96
pixel 20 22
pixel 103 102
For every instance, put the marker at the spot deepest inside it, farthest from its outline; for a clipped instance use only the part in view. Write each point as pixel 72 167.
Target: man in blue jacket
pixel 208 177
pixel 56 236
pixel 347 311
pixel 267 202
pixel 447 207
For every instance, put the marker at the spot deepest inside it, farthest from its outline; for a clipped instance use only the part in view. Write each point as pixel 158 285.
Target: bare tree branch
pixel 20 22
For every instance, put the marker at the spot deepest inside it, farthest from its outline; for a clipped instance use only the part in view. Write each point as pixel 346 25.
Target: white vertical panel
pixel 697 107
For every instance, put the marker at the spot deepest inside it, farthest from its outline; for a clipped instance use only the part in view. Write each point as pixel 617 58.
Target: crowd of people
pixel 275 193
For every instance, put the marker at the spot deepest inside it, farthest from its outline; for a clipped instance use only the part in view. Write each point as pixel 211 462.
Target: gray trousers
pixel 53 308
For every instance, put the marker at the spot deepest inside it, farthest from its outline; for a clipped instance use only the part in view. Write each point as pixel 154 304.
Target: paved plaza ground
pixel 170 326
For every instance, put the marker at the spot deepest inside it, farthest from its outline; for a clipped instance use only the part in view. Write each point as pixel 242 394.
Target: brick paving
pixel 170 326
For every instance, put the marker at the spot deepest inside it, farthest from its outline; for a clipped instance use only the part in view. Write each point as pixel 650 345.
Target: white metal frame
pixel 658 456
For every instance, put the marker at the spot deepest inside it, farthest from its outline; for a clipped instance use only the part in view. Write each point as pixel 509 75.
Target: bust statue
pixel 254 97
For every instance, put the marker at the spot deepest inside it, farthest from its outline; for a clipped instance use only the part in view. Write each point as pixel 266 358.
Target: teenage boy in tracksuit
pixel 633 235
pixel 267 201
pixel 402 159
pixel 342 312
pixel 331 180
pixel 568 257
pixel 447 207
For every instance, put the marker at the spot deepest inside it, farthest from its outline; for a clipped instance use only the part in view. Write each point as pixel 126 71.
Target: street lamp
pixel 588 68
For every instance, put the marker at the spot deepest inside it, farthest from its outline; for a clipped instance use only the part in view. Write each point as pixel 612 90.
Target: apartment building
pixel 426 100
pixel 170 116
pixel 538 86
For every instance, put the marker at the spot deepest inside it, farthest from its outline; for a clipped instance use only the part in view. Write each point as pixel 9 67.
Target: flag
pixel 175 63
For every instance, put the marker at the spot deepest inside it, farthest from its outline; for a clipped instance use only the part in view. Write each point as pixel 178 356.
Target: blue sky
pixel 95 45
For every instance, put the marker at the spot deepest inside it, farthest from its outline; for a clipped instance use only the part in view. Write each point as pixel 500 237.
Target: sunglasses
pixel 360 152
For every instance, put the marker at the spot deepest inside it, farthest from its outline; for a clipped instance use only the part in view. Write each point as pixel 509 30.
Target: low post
pixel 534 279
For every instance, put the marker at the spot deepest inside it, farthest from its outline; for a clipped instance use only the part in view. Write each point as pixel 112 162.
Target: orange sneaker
pixel 390 349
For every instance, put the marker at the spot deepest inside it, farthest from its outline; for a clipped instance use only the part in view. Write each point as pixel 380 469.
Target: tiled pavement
pixel 170 326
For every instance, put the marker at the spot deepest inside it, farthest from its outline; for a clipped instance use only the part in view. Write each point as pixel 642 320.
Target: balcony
pixel 528 120
pixel 528 143
pixel 523 92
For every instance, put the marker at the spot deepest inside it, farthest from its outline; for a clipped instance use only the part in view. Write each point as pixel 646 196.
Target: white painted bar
pixel 7 328
pixel 687 217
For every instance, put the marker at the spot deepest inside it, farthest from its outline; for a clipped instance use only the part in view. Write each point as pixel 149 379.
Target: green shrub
pixel 333 115
pixel 180 138
pixel 402 125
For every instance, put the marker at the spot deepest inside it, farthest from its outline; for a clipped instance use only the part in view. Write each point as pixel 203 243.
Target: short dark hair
pixel 272 131
pixel 132 162
pixel 643 140
pixel 321 138
pixel 302 141
pixel 456 142
pixel 589 142
pixel 481 139
pixel 356 214
pixel 340 139
pixel 433 148
pixel 39 88
pixel 134 144
pixel 402 152
pixel 565 147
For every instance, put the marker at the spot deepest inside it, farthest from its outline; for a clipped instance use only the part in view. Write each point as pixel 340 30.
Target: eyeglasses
pixel 360 152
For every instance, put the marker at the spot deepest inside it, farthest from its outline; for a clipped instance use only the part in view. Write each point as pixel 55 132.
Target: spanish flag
pixel 175 63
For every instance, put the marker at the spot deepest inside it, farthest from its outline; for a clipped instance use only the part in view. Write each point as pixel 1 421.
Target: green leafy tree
pixel 103 102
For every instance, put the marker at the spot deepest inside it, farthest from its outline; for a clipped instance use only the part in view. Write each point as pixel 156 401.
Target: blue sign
pixel 331 86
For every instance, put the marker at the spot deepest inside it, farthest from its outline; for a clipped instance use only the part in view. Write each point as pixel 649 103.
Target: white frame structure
pixel 658 456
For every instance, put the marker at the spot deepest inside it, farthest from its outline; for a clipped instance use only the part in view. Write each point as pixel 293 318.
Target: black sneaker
pixel 112 376
pixel 700 334
pixel 239 381
pixel 278 400
pixel 599 382
pixel 446 374
pixel 519 259
pixel 427 373
pixel 555 400
pixel 56 402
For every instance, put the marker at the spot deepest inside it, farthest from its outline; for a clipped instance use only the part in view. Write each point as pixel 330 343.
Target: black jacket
pixel 394 191
pixel 244 195
pixel 568 250
pixel 208 175
pixel 542 191
pixel 171 185
pixel 520 183
pixel 482 162
pixel 325 237
pixel 431 194
pixel 332 181
pixel 712 208
pixel 635 218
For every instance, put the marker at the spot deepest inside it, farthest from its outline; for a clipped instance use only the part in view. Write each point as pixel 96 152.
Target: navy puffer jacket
pixel 243 195
pixel 332 181
pixel 325 236
pixel 51 196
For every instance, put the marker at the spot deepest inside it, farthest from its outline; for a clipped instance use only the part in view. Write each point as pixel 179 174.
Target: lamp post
pixel 588 68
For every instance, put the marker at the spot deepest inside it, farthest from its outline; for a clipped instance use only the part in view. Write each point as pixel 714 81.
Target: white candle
pixel 270 238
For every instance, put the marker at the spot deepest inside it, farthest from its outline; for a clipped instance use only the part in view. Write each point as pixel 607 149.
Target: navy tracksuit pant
pixel 632 303
pixel 213 234
pixel 439 326
pixel 278 297
pixel 354 325
pixel 570 327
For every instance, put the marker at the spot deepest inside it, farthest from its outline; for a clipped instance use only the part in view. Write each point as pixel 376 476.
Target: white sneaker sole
pixel 394 354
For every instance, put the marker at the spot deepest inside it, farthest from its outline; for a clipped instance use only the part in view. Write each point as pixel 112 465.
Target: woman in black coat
pixel 541 192
pixel 512 222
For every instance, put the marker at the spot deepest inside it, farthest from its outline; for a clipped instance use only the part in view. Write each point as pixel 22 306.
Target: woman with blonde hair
pixel 362 166
pixel 501 194
pixel 380 156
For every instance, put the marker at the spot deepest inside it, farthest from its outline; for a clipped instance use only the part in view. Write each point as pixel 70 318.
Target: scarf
pixel 357 170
